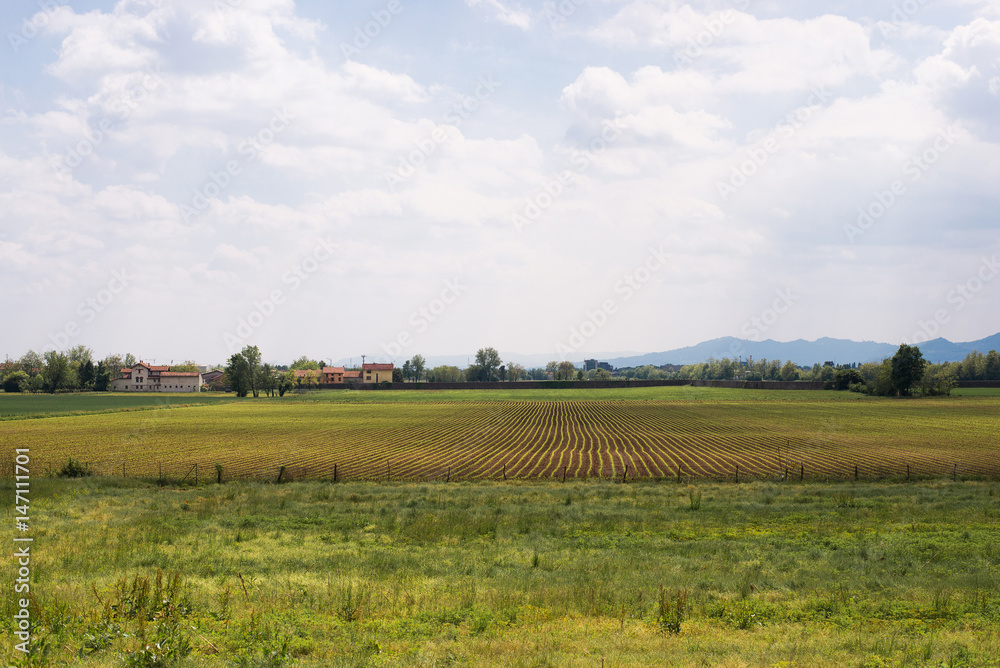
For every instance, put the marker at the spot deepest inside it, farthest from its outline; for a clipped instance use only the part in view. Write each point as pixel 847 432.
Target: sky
pixel 182 178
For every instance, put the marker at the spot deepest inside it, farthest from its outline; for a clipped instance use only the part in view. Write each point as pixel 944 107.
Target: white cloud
pixel 516 17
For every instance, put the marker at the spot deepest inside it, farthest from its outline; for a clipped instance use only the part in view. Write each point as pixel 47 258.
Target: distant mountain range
pixel 802 352
pixel 807 353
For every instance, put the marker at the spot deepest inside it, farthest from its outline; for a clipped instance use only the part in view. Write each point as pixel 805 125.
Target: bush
pixel 74 469
pixel 16 382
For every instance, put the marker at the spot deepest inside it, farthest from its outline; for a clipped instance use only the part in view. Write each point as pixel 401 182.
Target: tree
pixel 36 384
pixel 242 371
pixel 80 354
pixel 847 377
pixel 86 375
pixel 502 372
pixel 938 380
pixel 602 374
pixel 16 381
pixel 418 363
pixel 991 369
pixel 790 371
pixel 304 364
pixel 489 361
pixel 187 367
pixel 579 374
pixel 103 377
pixel 286 382
pixel 56 373
pixel 31 363
pixel 397 375
pixel 267 381
pixel 311 379
pixel 515 371
pixel 444 374
pixel 407 369
pixel 565 371
pixel 252 356
pixel 128 361
pixel 552 368
pixel 908 366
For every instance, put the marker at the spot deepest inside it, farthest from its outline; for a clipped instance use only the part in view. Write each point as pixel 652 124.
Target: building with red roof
pixel 146 378
pixel 377 373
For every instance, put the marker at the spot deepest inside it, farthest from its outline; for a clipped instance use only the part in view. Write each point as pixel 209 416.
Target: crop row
pixel 526 440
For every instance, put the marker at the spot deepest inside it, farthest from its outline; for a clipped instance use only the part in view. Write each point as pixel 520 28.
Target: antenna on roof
pixel 363 360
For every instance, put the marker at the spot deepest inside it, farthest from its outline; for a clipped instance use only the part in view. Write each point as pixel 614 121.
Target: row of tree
pixel 75 369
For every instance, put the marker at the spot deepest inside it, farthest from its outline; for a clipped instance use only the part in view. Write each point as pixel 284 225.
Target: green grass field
pixel 152 570
pixel 22 406
pixel 522 574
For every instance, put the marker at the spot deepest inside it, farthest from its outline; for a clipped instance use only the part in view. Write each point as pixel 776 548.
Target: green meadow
pixel 128 573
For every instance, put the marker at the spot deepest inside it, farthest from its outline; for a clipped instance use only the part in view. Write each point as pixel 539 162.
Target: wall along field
pixel 545 434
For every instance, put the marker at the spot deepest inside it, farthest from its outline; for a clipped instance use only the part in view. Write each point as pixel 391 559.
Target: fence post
pixel 737 473
pixel 855 471
pixel 281 472
pixel 335 473
pixel 907 471
pixel 624 474
pixel 388 471
pixel 564 474
pixel 505 472
pixel 678 474
pixel 196 474
pixel 954 473
pixel 802 472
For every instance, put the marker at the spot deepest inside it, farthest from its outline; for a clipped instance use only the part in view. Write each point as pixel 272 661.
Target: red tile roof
pixel 333 369
pixel 353 374
pixel 377 367
pixel 175 374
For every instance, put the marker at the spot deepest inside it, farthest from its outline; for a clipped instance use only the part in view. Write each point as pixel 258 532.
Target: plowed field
pixel 529 439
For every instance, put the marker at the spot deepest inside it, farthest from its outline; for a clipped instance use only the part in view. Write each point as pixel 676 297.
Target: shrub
pixel 74 469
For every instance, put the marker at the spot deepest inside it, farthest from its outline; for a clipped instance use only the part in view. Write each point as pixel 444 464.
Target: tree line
pixel 73 370
pixel 245 374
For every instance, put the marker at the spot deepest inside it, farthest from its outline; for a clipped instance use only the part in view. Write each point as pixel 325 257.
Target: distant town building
pixel 377 373
pixel 591 365
pixel 145 378
pixel 333 374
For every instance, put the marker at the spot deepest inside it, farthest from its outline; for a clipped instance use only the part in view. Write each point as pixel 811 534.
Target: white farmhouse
pixel 145 378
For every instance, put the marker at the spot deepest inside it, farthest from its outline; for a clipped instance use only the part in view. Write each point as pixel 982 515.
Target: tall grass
pixel 126 573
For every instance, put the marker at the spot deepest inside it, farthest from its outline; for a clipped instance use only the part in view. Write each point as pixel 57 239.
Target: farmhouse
pixel 333 374
pixel 377 373
pixel 145 378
